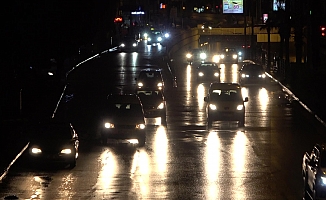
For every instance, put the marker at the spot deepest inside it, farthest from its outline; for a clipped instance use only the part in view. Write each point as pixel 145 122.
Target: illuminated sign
pixel 138 13
pixel 232 6
pixel 118 19
pixel 277 4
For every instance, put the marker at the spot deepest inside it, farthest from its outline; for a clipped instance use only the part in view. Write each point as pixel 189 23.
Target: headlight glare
pixel 161 106
pixel 216 74
pixel 140 126
pixel 140 84
pixel 200 74
pixel 203 55
pixel 234 56
pixel 212 107
pixel 188 55
pixel 66 151
pixel 108 125
pixel 36 150
pixel 239 107
pixel 323 180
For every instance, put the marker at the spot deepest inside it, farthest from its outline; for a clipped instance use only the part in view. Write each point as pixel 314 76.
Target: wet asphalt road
pixel 183 160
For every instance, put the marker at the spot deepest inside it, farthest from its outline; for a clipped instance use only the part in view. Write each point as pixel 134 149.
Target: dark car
pixel 150 78
pixel 154 104
pixel 251 73
pixel 196 55
pixel 53 142
pixel 314 172
pixel 128 44
pixel 208 72
pixel 228 55
pixel 123 119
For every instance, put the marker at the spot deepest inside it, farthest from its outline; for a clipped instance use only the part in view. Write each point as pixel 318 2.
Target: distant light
pixel 138 13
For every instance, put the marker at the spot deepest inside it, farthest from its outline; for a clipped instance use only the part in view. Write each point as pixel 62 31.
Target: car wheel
pixel 209 123
pixel 72 164
pixel 241 122
pixel 163 120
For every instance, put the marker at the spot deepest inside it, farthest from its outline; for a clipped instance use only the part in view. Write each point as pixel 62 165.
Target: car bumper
pixel 152 113
pixel 225 116
pixel 52 158
pixel 123 133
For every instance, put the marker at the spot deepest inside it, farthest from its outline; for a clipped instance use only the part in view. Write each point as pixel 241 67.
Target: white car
pixel 224 102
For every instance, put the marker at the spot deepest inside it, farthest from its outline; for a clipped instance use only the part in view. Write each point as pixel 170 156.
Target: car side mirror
pixel 206 99
pixel 246 99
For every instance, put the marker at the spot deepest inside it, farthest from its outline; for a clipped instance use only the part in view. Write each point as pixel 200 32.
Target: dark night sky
pixel 34 30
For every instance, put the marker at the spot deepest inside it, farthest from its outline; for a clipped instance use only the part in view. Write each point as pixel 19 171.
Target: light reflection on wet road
pixel 181 161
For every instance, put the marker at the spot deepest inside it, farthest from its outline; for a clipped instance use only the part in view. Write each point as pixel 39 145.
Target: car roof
pixel 151 70
pixel 207 63
pixel 225 86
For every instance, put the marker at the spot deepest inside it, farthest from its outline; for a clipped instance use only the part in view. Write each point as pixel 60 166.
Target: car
pixel 208 72
pixel 224 102
pixel 123 119
pixel 53 142
pixel 314 173
pixel 196 55
pixel 155 37
pixel 128 44
pixel 227 55
pixel 252 73
pixel 150 78
pixel 154 104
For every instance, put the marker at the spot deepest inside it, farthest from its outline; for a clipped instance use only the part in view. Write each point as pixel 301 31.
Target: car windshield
pixel 50 131
pixel 204 65
pixel 225 95
pixel 253 68
pixel 149 75
pixel 125 109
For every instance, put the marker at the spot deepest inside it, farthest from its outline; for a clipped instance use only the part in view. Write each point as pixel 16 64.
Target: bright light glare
pixel 36 150
pixel 66 151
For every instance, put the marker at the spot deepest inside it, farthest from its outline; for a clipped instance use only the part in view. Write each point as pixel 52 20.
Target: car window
pixel 125 109
pixel 146 75
pixel 228 95
pixel 253 67
pixel 50 131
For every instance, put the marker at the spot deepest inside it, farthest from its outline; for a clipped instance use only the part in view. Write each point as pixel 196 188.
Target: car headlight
pixel 262 76
pixel 140 126
pixel 244 75
pixel 140 84
pixel 234 56
pixel 122 45
pixel 36 150
pixel 166 35
pixel 323 180
pixel 108 125
pixel 159 39
pixel 149 39
pixel 66 151
pixel 159 84
pixel 240 53
pixel 222 56
pixel 188 55
pixel 145 35
pixel 239 107
pixel 134 44
pixel 202 55
pixel 216 74
pixel 161 106
pixel 212 106
pixel 216 58
pixel 200 74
